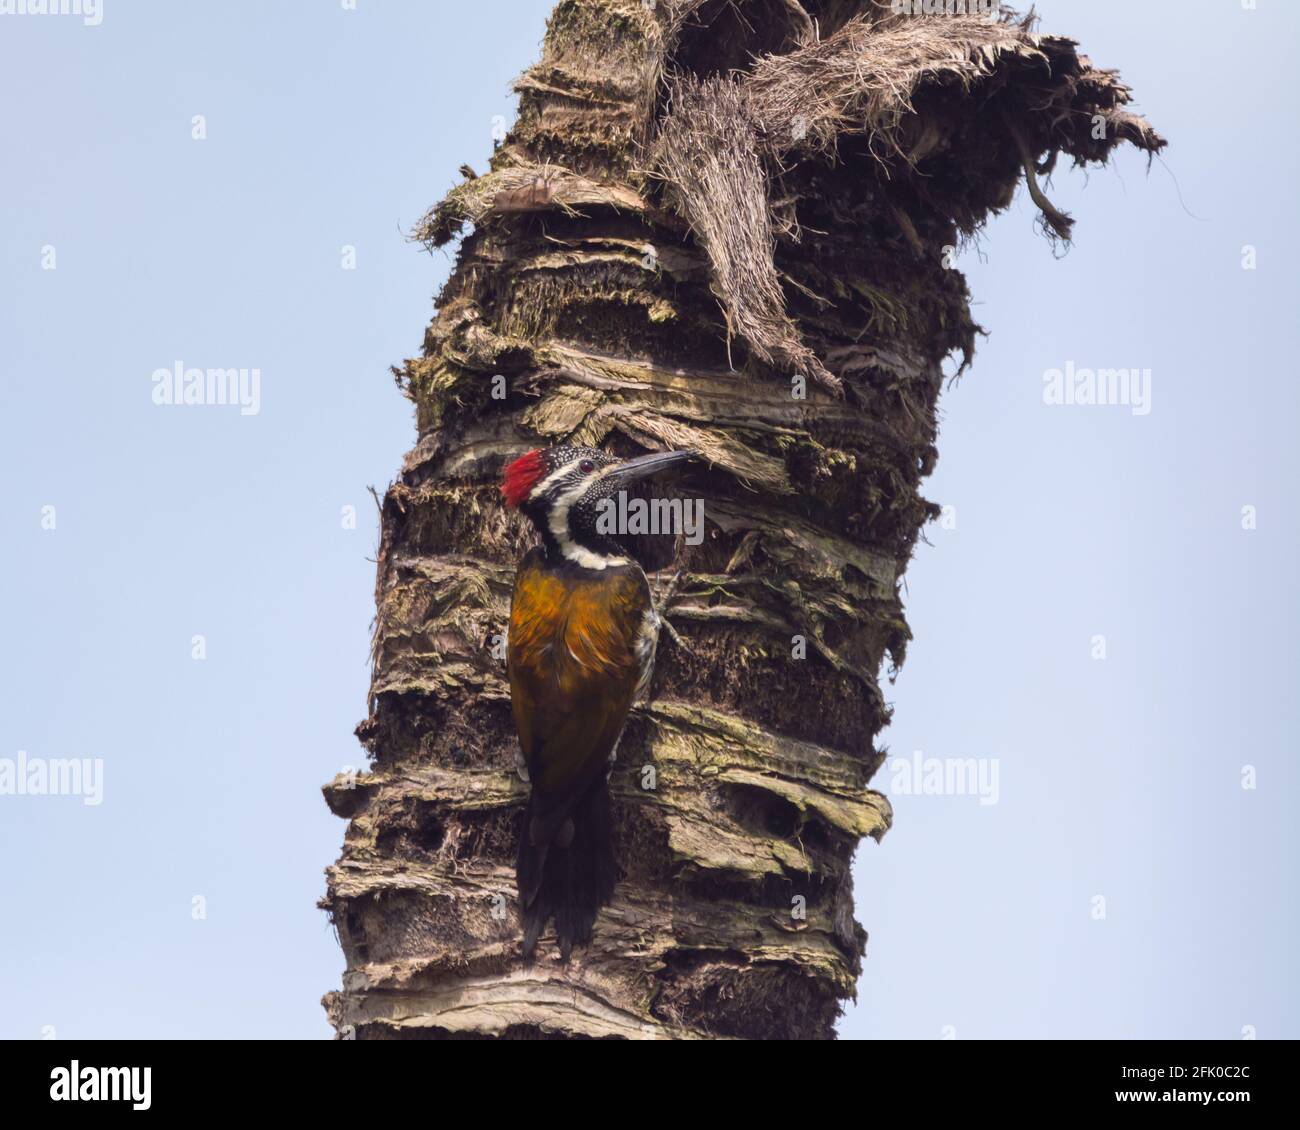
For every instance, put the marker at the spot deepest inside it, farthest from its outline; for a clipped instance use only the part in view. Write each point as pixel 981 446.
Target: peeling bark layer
pixel 628 300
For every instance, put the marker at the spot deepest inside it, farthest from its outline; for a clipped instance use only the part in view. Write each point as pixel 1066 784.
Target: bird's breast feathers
pixel 580 649
pixel 576 628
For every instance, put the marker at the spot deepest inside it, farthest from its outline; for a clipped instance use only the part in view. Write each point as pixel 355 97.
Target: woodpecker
pixel 583 630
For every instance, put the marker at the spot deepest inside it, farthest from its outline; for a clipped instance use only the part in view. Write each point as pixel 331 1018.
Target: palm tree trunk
pixel 726 226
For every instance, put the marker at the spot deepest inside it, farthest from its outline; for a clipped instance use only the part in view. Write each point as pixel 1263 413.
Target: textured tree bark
pixel 726 226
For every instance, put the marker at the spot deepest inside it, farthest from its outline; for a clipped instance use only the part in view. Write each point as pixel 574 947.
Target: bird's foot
pixel 664 599
pixel 675 635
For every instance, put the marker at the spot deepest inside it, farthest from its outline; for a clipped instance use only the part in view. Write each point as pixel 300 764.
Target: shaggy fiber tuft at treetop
pixel 987 85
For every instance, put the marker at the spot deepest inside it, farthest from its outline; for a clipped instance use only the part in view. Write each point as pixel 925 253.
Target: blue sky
pixel 1119 778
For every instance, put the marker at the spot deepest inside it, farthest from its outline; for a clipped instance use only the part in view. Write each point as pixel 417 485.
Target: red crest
pixel 521 476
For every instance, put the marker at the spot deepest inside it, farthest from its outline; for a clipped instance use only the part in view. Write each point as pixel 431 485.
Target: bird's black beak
pixel 646 465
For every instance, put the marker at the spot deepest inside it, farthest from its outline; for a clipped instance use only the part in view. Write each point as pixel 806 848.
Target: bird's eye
pixel 586 466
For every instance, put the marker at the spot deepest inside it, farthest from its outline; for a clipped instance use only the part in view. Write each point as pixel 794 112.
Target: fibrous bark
pixel 724 225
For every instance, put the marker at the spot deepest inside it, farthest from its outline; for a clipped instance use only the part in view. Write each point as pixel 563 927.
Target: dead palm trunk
pixel 724 225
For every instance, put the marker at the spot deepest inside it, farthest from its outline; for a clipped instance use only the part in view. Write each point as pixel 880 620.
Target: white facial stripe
pixel 555 476
pixel 542 487
pixel 558 520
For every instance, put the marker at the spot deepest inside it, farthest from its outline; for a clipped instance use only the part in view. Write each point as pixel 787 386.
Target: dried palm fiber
pixel 863 80
pixel 518 188
pixel 723 140
pixel 707 152
pixel 635 48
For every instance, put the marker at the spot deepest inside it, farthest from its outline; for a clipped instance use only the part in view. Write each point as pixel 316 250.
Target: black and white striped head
pixel 561 490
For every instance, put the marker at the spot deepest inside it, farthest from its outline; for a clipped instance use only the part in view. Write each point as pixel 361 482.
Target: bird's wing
pixel 574 667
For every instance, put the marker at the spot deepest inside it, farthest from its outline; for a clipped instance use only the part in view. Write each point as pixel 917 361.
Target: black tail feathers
pixel 566 869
